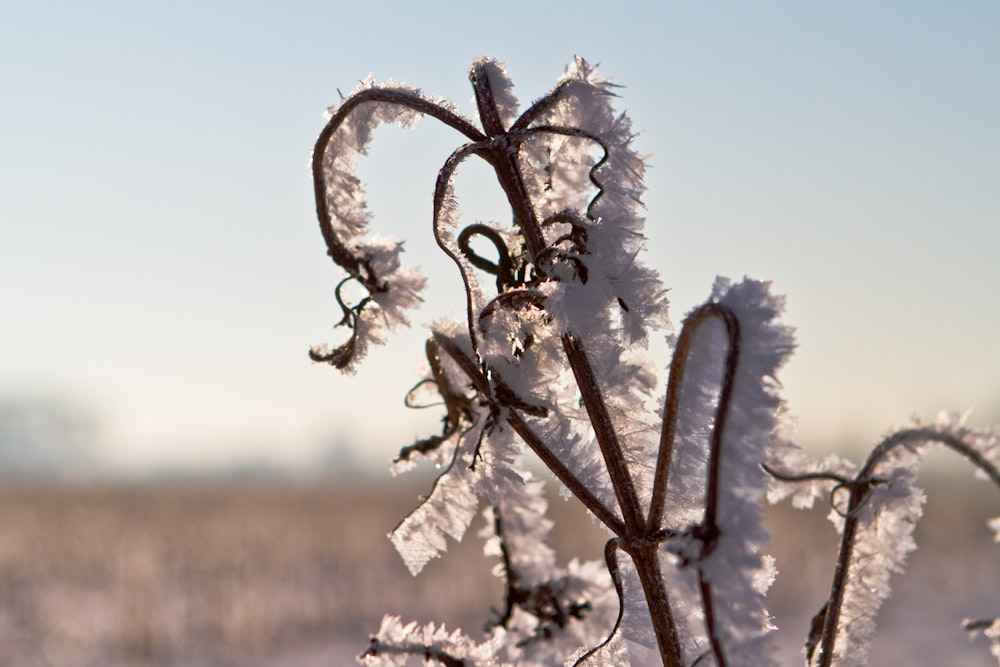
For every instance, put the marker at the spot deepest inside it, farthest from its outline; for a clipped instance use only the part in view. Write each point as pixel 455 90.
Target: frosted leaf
pixel 448 510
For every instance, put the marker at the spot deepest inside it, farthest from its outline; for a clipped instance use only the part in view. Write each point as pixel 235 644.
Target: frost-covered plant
pixel 549 360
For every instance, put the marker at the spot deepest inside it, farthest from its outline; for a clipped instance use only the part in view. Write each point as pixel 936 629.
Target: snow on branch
pixel 395 643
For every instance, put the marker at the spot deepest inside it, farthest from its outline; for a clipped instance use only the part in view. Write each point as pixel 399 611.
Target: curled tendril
pixel 421 406
pixel 357 262
pixel 611 549
pixel 459 409
pixel 503 269
pixel 341 356
pixel 861 485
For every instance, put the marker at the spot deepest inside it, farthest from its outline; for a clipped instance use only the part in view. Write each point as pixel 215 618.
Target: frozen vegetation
pixel 549 362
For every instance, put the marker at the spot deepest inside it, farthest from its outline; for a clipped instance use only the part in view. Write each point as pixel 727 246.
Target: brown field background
pixel 219 574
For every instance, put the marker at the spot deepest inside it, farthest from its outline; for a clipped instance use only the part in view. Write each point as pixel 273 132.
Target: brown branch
pixel 671 408
pixel 604 430
pixel 503 157
pixel 400 97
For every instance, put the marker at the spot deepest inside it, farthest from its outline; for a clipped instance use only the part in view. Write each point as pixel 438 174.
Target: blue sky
pixel 161 269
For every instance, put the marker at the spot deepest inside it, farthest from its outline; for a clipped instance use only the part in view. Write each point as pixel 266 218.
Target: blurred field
pixel 286 575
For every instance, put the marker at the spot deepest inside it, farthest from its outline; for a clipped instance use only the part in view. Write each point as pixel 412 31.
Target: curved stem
pixel 397 96
pixel 611 561
pixel 647 565
pixel 860 488
pixel 709 524
pixel 442 189
pixel 542 105
pixel 721 413
pixel 678 364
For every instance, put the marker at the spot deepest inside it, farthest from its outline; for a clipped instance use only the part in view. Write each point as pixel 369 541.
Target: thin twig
pixel 534 442
pixel 671 409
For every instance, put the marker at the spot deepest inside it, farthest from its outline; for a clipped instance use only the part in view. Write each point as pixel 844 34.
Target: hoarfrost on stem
pixel 876 521
pixel 550 361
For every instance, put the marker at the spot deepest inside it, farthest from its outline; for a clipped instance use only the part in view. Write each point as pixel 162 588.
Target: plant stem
pixel 505 161
pixel 404 98
pixel 607 439
pixel 647 565
pixel 860 488
pixel 839 588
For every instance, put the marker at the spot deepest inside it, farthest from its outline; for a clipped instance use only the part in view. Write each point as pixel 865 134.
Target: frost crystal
pixel 395 643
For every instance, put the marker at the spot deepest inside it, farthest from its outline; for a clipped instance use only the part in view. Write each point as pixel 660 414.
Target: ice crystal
pixel 395 642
